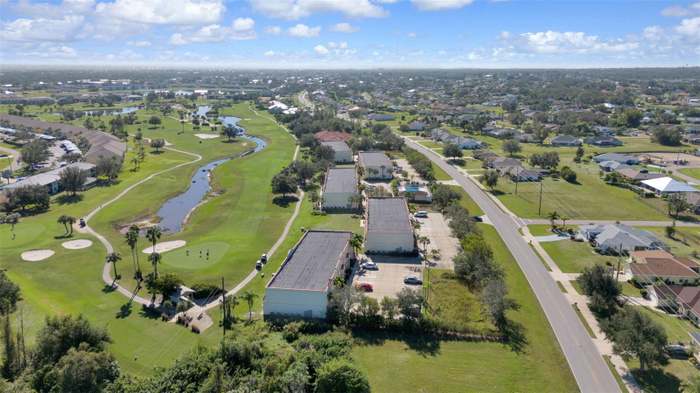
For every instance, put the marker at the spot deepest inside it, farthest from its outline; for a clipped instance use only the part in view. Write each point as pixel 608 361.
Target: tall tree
pixel 132 239
pixel 155 259
pixel 249 298
pixel 113 258
pixel 72 179
pixel 635 334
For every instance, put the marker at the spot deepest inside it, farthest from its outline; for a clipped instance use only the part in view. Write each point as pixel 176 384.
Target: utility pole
pixel 619 261
pixel 539 209
pixel 225 312
pixel 517 179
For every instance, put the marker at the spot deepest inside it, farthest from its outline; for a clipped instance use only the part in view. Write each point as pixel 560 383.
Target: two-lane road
pixel 587 365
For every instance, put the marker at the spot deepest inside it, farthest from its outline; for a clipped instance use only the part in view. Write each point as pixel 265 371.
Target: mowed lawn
pixel 70 281
pixel 306 220
pixel 669 376
pixel 573 257
pixel 414 364
pixel 685 242
pixel 592 198
pixel 692 172
pixel 242 216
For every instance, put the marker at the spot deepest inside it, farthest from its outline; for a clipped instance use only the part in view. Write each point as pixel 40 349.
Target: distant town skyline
pixel 351 34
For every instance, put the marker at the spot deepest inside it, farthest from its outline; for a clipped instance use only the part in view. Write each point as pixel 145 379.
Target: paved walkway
pixel 535 221
pixel 107 271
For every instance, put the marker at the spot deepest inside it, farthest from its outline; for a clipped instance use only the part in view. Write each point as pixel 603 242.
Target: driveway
pixel 436 229
pixel 388 280
pixel 410 172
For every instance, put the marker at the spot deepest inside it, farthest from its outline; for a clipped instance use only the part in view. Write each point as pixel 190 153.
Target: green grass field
pixel 590 199
pixel 235 226
pixel 467 202
pixel 685 242
pixel 402 364
pixel 573 257
pixel 692 172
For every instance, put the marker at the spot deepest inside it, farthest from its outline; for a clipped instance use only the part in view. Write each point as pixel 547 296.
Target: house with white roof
pixel 667 185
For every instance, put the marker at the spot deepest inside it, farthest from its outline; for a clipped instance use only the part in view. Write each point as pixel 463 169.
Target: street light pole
pixel 539 209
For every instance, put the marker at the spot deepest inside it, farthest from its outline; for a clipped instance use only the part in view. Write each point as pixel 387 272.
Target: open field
pixel 467 202
pixel 686 240
pixel 413 364
pixel 70 282
pixel 573 257
pixel 591 198
pixel 692 172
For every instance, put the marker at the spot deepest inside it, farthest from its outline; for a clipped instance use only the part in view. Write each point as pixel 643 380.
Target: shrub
pixel 202 290
pixel 568 174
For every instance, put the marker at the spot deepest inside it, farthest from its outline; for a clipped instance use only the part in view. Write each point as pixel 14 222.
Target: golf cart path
pixel 106 271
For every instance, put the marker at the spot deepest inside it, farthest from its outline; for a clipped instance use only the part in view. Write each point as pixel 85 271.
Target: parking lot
pixel 388 279
pixel 435 228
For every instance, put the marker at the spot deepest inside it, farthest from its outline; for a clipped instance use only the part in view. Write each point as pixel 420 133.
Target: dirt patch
pixel 165 246
pixel 36 255
pixel 206 136
pixel 77 244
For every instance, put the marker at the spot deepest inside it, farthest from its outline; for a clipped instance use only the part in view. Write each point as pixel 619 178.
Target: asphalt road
pixel 587 365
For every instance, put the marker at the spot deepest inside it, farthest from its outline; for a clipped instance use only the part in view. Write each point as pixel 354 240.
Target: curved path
pixel 107 271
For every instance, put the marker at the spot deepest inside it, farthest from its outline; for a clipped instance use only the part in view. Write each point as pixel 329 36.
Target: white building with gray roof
pixel 341 151
pixel 375 165
pixel 620 238
pixel 302 284
pixel 340 189
pixel 388 228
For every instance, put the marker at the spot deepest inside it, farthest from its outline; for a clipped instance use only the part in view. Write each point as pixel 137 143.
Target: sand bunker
pixel 206 136
pixel 165 246
pixel 77 244
pixel 36 255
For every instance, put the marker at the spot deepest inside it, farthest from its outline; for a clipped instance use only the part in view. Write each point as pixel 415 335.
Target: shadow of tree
pixel 514 335
pixel 108 288
pixel 424 345
pixel 125 310
pixel 66 199
pixel 656 380
pixel 284 201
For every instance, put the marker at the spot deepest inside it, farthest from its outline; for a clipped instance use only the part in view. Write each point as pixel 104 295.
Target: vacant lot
pixel 436 229
pixel 413 364
pixel 591 198
pixel 685 241
pixel 573 257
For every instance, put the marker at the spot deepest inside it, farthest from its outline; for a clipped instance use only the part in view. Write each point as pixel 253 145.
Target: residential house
pixel 388 228
pixel 565 140
pixel 610 166
pixel 667 185
pixel 618 157
pixel 416 126
pixel 332 136
pixel 375 165
pixel 415 192
pixel 463 142
pixel 504 165
pixel 52 179
pixel 502 133
pixel 620 238
pixel 603 141
pixel 340 189
pixel 520 174
pixel 683 299
pixel 302 284
pixel 636 175
pixel 341 151
pixel 648 266
pixel 380 117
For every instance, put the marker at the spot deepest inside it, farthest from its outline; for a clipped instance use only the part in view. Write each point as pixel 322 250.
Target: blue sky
pixel 351 33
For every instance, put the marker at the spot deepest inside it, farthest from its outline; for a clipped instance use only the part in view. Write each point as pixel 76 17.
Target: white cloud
pixel 270 53
pixel 48 10
pixel 675 10
pixel 690 28
pixel 48 51
pixel 344 27
pixel 274 30
pixel 653 33
pixel 241 29
pixel 438 5
pixel 139 44
pixel 321 50
pixel 177 12
pixel 412 35
pixel 552 42
pixel 42 29
pixel 302 30
pixel 296 9
pixel 474 56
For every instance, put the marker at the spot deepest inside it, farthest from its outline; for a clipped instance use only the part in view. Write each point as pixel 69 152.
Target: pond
pixel 174 211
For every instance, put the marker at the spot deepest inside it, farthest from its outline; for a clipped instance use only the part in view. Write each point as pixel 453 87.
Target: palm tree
pixel 63 220
pixel 132 239
pixel 155 259
pixel 563 221
pixel 153 234
pixel 553 216
pixel 423 240
pixel 356 242
pixel 113 258
pixel 70 220
pixel 249 298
